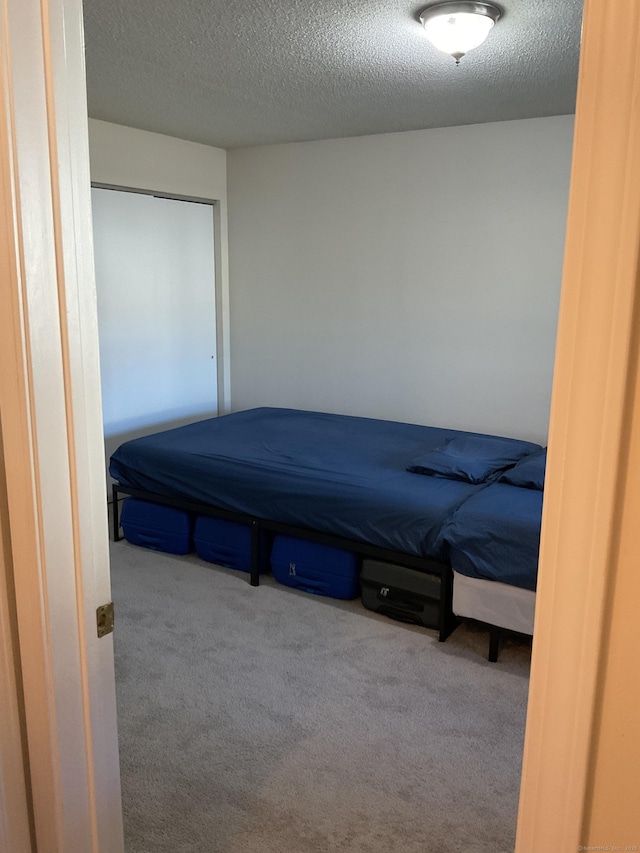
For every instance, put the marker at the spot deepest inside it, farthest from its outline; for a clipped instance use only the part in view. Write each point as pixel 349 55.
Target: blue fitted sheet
pixel 333 473
pixel 495 535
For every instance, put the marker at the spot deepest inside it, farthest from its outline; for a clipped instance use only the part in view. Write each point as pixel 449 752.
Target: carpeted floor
pixel 263 720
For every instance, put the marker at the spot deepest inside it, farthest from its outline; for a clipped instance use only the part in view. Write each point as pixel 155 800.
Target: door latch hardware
pixel 104 619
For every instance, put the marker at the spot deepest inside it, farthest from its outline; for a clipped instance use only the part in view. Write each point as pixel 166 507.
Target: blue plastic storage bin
pixel 155 526
pixel 227 543
pixel 315 568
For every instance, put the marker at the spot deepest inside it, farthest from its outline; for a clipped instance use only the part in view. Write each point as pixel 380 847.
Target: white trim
pixel 85 416
pixel 223 331
pixel 98 185
pixel 589 419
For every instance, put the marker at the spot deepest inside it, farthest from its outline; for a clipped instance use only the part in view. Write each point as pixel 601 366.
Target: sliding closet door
pixel 154 262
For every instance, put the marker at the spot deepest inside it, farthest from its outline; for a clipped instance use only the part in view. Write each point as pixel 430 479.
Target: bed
pixel 357 483
pixel 492 542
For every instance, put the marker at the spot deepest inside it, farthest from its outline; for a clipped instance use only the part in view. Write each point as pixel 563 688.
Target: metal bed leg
pixel 116 514
pixel 255 553
pixel 447 621
pixel 495 635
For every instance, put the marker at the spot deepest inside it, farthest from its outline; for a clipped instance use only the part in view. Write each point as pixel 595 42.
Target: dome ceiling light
pixel 456 28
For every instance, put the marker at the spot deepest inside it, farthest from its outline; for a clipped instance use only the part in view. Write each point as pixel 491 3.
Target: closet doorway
pixel 155 282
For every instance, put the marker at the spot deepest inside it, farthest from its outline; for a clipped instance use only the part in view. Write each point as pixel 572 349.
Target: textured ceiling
pixel 234 74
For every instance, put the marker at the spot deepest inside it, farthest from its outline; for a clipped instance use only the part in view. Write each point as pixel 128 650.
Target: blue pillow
pixel 473 458
pixel 528 473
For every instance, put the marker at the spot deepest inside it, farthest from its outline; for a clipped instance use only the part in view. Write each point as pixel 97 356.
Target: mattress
pixel 332 473
pixel 495 535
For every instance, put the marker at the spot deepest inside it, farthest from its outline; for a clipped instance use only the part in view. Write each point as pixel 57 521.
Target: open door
pixel 54 517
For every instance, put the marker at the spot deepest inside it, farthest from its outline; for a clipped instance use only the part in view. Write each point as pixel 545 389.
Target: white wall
pixel 412 276
pixel 126 157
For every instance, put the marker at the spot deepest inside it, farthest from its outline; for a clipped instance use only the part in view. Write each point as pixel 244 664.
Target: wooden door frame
pixel 590 428
pixel 56 557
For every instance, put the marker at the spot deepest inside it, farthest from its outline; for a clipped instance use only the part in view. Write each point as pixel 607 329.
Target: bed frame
pixel 501 607
pixel 447 621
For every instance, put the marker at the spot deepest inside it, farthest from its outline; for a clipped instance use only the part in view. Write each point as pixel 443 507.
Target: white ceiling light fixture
pixel 457 27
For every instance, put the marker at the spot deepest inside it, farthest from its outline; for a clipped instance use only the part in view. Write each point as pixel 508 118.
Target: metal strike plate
pixel 104 619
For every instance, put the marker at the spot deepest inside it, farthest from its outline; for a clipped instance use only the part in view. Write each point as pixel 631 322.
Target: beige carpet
pixel 271 721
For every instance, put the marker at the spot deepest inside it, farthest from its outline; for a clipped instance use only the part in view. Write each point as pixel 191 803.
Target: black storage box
pixel 405 594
